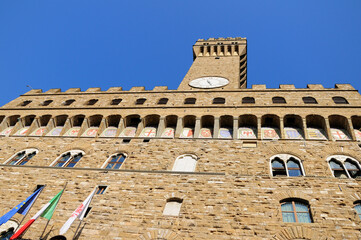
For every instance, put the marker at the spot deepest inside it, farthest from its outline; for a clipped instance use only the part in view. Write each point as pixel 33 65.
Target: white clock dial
pixel 209 82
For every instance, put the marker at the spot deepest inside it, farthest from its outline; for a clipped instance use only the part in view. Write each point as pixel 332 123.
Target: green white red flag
pixel 46 211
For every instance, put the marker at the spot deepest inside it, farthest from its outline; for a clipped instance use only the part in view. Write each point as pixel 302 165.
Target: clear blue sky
pixel 103 43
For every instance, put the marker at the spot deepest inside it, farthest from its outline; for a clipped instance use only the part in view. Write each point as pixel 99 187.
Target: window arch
pixel 286 165
pixel 296 210
pixel 68 102
pixel 185 163
pixel 340 100
pixel 68 159
pixel 172 207
pixel 357 208
pixel 22 157
pixel 309 100
pixel 246 100
pixel 190 101
pixel 344 166
pixel 219 100
pixel 115 161
pixel 7 229
pixel 140 101
pixel 278 100
pixel 163 101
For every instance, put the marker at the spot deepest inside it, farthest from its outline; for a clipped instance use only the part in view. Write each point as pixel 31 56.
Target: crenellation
pixel 210 160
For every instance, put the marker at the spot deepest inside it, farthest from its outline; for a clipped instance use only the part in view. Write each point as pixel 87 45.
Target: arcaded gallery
pixel 214 159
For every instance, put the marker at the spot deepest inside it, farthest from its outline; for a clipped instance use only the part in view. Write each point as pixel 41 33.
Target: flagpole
pixel 76 231
pixel 29 208
pixel 41 237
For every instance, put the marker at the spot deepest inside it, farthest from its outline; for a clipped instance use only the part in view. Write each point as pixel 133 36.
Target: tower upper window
pixel 278 100
pixel 309 100
pixel 116 101
pixel 190 101
pixel 340 100
pixel 25 103
pixel 46 103
pixel 92 102
pixel 248 100
pixel 219 100
pixel 357 208
pixel 140 101
pixel 163 101
pixel 68 102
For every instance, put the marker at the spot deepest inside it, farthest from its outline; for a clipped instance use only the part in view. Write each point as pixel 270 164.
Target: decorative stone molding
pixel 298 232
pixel 160 234
pixel 292 194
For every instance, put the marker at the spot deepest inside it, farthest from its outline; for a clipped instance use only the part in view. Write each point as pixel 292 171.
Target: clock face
pixel 209 82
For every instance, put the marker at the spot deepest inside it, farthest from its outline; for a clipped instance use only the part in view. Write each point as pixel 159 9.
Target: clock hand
pixel 209 82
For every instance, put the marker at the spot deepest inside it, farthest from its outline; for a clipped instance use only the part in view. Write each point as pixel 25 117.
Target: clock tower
pixel 217 64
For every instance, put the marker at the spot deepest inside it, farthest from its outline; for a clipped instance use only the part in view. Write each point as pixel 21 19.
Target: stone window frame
pixel 193 156
pixel 73 154
pixel 293 201
pixel 110 158
pixel 285 158
pixel 24 159
pixel 342 159
pixel 173 202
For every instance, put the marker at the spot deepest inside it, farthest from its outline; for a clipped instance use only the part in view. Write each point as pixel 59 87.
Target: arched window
pixel 278 100
pixel 344 166
pixel 172 207
pixel 286 165
pixel 22 157
pixel 116 101
pixel 190 101
pixel 294 210
pixel 25 103
pixel 140 101
pixel 115 161
pixel 68 159
pixel 309 100
pixel 246 100
pixel 357 208
pixel 219 100
pixel 340 100
pixel 185 163
pixel 92 102
pixel 163 101
pixel 68 102
pixel 46 103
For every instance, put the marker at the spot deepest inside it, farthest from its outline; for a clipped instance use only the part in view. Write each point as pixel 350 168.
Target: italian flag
pixel 46 212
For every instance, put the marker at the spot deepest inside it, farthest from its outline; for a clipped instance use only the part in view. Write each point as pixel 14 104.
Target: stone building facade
pixel 210 160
